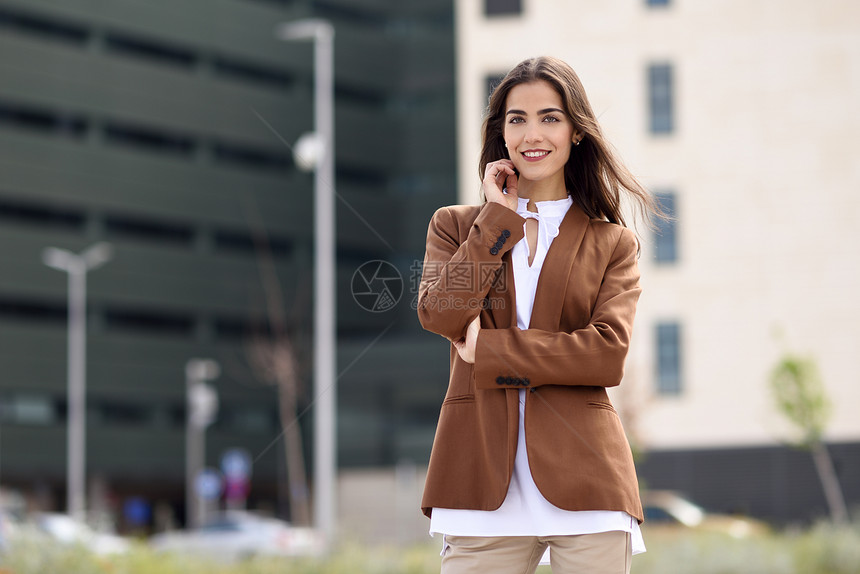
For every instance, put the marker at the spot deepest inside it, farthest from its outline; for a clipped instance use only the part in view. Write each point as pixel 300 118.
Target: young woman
pixel 536 289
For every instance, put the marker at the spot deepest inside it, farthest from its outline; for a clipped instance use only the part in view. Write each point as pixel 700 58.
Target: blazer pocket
pixel 458 394
pixel 458 400
pixel 601 405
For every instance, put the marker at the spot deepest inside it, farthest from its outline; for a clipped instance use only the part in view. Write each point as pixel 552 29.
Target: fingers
pixel 464 351
pixel 498 171
pixel 497 175
pixel 466 345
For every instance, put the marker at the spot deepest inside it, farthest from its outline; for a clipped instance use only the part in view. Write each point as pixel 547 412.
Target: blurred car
pixel 67 530
pixel 665 508
pixel 9 526
pixel 236 535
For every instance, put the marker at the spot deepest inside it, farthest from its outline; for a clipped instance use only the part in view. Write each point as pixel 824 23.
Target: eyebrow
pixel 540 112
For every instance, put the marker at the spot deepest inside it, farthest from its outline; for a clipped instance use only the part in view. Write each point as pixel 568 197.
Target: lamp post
pixel 202 405
pixel 325 390
pixel 77 266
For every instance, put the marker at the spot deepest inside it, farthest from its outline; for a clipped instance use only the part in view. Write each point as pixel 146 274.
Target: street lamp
pixel 325 391
pixel 202 405
pixel 77 266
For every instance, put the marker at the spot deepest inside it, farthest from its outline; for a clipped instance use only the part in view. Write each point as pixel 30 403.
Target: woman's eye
pixel 551 119
pixel 516 120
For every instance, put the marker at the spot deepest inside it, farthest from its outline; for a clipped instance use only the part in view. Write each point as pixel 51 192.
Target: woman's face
pixel 537 132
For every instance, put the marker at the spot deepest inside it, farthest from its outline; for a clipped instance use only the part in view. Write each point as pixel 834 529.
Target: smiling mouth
pixel 535 154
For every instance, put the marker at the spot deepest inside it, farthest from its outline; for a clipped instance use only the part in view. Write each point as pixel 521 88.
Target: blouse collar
pixel 551 212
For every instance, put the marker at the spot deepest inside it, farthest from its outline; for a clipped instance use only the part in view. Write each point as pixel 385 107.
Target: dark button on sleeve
pixel 506 233
pixel 494 250
pixel 500 380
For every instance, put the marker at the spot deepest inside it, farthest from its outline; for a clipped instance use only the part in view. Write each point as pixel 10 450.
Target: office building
pixel 738 117
pixel 166 128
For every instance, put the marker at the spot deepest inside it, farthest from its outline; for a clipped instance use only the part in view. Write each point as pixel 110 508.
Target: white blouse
pixel 525 512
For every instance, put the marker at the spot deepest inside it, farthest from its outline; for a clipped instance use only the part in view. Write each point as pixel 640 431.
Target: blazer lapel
pixel 556 269
pixel 504 316
pixel 510 292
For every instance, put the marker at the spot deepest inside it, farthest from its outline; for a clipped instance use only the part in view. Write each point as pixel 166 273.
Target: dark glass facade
pixel 165 128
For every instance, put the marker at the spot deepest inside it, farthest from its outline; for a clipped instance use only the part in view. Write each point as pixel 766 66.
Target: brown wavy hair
pixel 593 175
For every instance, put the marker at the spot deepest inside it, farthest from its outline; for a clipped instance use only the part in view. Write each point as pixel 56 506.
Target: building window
pixel 503 7
pixel 665 236
pixel 149 322
pixel 152 139
pixel 130 227
pixel 29 409
pixel 47 28
pixel 123 413
pixel 668 358
pixel 42 119
pixel 252 243
pixel 254 158
pixel 32 311
pixel 35 214
pixel 149 50
pixel 249 72
pixel 660 100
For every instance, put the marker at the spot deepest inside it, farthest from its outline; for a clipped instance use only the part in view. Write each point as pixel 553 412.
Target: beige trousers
pixel 601 553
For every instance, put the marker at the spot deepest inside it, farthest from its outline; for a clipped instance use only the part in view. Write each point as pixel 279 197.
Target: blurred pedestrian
pixel 536 289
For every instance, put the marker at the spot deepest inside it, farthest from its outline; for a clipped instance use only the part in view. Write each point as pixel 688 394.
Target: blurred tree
pixel 274 361
pixel 800 396
pixel 273 358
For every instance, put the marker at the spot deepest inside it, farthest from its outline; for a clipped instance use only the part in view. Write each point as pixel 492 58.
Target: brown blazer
pixel 574 348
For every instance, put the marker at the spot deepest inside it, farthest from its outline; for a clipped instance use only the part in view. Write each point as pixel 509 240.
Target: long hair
pixel 594 176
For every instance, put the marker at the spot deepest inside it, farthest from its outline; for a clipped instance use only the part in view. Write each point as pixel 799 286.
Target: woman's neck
pixel 536 191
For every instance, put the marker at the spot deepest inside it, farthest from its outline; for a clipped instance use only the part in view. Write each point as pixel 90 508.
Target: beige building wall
pixel 763 161
pixel 382 505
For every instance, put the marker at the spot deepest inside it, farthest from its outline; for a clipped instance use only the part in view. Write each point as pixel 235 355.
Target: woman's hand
pixel 466 346
pixel 497 175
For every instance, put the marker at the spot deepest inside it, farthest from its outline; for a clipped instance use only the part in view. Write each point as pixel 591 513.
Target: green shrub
pixel 822 549
pixel 826 549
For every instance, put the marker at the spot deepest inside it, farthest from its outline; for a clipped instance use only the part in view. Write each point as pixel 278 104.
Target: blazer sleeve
pixel 593 355
pixel 457 272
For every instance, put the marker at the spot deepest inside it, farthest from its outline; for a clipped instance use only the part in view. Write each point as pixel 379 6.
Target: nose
pixel 533 133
